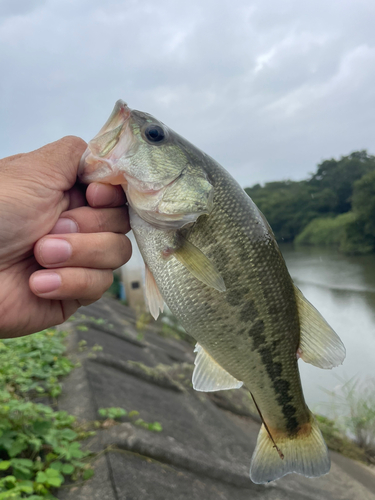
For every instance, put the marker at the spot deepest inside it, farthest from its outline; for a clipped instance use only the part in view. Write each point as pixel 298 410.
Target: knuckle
pixel 100 220
pixel 73 141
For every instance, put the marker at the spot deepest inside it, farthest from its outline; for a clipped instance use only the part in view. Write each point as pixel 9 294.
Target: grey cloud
pixel 267 88
pixel 10 8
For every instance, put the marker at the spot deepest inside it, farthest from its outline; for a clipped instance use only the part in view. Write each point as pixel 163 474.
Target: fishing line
pixel 281 455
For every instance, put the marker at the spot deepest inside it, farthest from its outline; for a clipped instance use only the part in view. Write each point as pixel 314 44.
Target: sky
pixel 268 88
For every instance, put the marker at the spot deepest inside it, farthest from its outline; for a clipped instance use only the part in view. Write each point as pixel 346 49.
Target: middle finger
pixel 93 250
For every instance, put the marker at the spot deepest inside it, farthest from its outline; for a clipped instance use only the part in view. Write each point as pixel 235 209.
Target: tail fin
pixel 305 453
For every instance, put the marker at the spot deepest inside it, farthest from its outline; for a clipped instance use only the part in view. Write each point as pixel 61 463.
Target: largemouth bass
pixel 212 257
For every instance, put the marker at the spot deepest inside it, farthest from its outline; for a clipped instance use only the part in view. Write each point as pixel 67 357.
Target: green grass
pixel 353 404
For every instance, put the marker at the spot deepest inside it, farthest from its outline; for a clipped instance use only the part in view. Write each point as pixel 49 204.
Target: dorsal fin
pixel 319 344
pixel 209 376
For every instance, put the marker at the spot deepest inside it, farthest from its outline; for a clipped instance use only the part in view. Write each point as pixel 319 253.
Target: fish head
pixel 161 173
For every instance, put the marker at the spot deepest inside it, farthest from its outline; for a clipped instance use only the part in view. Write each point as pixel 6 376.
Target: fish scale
pixel 211 256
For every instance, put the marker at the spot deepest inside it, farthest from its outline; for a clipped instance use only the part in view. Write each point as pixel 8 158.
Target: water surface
pixel 342 288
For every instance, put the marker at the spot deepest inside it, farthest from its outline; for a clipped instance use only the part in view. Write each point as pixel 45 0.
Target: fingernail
pixel 55 251
pixel 46 282
pixel 63 226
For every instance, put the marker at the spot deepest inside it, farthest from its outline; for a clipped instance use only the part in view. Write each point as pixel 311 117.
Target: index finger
pixel 105 195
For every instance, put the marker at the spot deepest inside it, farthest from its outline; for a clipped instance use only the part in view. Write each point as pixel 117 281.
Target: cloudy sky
pixel 269 88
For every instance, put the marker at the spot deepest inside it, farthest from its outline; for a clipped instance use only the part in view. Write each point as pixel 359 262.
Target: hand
pixel 56 254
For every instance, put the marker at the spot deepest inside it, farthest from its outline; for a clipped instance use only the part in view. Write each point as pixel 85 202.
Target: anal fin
pixel 154 298
pixel 209 376
pixel 319 344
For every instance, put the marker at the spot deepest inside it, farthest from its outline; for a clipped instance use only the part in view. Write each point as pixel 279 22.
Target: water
pixel 342 288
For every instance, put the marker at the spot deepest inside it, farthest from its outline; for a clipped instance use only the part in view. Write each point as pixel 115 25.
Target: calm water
pixel 343 290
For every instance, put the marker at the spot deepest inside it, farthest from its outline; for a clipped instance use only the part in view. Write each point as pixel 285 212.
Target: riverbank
pixel 206 441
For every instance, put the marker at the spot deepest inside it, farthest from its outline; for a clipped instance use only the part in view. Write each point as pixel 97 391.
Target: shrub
pixel 326 231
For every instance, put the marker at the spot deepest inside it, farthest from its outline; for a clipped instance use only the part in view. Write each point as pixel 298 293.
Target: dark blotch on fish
pixel 249 312
pixel 282 387
pixel 256 333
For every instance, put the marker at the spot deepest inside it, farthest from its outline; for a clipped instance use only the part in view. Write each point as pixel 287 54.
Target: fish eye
pixel 154 133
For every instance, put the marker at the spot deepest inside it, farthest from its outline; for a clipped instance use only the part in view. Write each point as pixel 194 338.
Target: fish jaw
pixel 106 154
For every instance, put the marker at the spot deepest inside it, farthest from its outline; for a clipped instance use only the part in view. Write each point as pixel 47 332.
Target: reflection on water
pixel 342 288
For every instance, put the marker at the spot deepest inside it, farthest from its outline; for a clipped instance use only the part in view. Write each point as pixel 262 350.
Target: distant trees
pixel 311 209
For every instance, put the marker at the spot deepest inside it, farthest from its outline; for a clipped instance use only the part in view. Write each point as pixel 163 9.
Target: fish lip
pixel 93 165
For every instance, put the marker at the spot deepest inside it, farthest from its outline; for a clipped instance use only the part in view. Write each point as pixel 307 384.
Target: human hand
pixel 56 254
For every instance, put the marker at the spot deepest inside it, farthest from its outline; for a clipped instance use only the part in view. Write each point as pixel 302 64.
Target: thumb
pixel 58 162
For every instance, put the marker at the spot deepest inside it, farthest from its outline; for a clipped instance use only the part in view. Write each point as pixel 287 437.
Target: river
pixel 342 288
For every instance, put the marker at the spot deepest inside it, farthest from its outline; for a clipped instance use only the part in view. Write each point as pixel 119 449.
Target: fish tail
pixel 305 453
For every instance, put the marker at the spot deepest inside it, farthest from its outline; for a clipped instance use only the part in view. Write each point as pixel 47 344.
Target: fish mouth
pixel 115 140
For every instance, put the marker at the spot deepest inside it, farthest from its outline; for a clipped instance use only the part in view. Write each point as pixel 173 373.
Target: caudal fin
pixel 305 453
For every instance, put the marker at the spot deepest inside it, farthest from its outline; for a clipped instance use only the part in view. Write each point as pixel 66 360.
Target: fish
pixel 211 256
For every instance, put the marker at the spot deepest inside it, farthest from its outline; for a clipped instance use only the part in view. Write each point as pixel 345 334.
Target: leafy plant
pixel 112 412
pixel 39 447
pixel 33 364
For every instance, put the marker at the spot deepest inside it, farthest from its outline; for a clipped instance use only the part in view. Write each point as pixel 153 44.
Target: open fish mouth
pixel 115 140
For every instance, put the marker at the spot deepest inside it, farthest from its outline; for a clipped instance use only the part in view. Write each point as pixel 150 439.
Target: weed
pixel 38 446
pixel 114 413
pixel 353 403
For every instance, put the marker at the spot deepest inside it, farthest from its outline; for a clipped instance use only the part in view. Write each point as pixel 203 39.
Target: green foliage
pixel 33 364
pixel 38 446
pixel 281 203
pixel 112 412
pixel 340 175
pixel 338 187
pixel 356 240
pixel 326 231
pixel 82 328
pixel 116 413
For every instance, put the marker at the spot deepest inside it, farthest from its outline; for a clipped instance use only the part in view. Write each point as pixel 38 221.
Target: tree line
pixel 335 206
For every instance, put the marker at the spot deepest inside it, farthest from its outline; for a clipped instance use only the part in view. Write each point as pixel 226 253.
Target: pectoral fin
pixel 209 376
pixel 199 265
pixel 319 344
pixel 154 298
